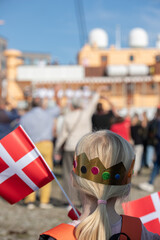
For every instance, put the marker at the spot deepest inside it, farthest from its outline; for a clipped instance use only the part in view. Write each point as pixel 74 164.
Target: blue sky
pixel 50 26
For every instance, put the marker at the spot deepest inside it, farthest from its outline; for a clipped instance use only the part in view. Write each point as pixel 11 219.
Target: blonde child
pixel 103 166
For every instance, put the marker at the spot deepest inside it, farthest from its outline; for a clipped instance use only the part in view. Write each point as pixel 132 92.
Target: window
pixel 104 58
pixel 130 93
pixel 153 88
pixel 3 64
pixel 130 88
pixel 131 58
pixel 148 88
pixel 2 47
pixel 158 58
pixel 26 61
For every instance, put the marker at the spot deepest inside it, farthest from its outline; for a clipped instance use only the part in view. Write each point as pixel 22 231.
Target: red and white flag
pixel 22 168
pixel 147 209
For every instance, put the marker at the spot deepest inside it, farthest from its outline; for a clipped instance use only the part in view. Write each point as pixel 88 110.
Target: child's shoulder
pixel 61 232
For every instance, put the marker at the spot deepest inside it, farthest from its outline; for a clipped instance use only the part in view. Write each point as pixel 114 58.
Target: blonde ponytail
pixel 95 227
pixel 111 149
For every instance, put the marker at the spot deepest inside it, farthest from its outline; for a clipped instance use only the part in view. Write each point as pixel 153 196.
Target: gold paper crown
pixel 95 171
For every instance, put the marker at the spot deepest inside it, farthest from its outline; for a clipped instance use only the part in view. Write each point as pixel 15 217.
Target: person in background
pixel 38 123
pixel 151 143
pixel 137 135
pixel 103 166
pixel 76 123
pixel 57 132
pixel 102 119
pixel 8 118
pixel 155 126
pixel 144 124
pixel 121 126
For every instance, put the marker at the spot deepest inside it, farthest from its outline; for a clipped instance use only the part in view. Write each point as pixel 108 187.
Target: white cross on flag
pixel 22 168
pixel 147 209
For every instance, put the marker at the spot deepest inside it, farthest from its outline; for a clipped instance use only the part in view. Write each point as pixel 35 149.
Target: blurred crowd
pixel 56 129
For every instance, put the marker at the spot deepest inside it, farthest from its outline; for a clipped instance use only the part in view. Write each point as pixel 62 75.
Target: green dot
pixel 106 175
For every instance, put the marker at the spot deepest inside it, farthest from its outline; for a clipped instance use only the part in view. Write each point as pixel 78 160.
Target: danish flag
pixel 147 209
pixel 22 168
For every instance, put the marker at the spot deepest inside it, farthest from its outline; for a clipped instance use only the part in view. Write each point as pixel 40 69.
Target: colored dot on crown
pixel 117 176
pixel 83 169
pixel 74 163
pixel 95 170
pixel 106 175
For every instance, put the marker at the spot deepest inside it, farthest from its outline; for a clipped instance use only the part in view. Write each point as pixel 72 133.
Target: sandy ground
pixel 19 223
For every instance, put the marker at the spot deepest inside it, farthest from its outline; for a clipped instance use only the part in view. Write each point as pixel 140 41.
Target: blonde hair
pixel 111 149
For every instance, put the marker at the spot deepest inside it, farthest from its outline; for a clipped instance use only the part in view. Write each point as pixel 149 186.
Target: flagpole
pixel 65 194
pixel 36 149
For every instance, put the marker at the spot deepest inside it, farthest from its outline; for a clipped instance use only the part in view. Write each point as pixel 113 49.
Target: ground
pixel 19 223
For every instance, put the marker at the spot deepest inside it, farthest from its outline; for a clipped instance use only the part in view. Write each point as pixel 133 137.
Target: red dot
pixel 95 170
pixel 74 163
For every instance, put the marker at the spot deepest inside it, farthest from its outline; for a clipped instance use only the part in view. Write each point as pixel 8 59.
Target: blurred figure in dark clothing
pixel 155 126
pixel 8 119
pixel 103 119
pixel 151 143
pixel 137 135
pixel 144 124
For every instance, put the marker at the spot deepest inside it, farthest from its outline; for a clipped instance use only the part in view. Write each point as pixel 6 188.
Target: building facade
pixel 131 75
pixel 3 47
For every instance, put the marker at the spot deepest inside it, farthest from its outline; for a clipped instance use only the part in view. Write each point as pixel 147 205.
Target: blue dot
pixel 83 169
pixel 117 176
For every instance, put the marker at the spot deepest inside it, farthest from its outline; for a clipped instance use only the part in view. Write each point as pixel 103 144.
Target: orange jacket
pixel 130 225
